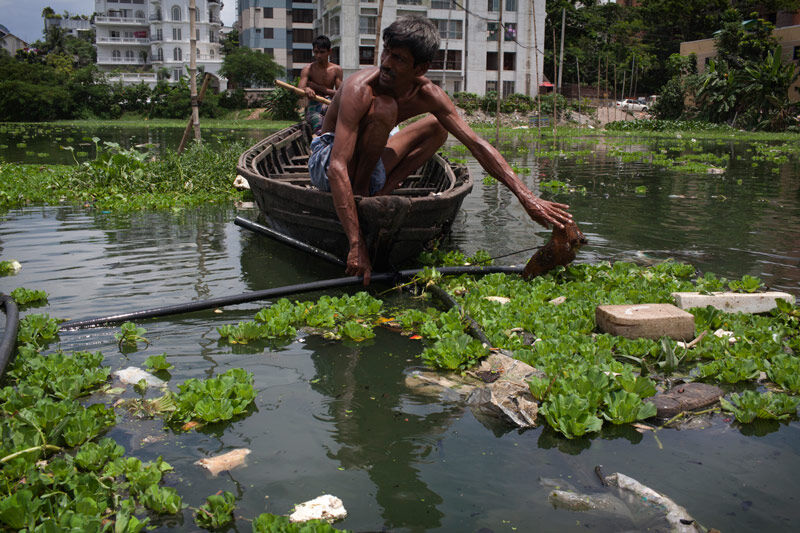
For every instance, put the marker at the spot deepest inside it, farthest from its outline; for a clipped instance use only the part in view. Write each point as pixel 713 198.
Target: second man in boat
pixel 355 154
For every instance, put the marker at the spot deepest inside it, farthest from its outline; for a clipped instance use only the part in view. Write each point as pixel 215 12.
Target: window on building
pixel 176 13
pixel 177 54
pixel 335 25
pixel 177 74
pixel 302 56
pixel 116 55
pixel 176 34
pixel 511 5
pixel 269 33
pixel 160 54
pixel 142 57
pixel 114 34
pixel 492 31
pixel 367 25
pixel 508 88
pixel 491 86
pixel 335 54
pixel 301 36
pixel 456 28
pixel 366 55
pixel 129 55
pixel 409 2
pixel 509 61
pixel 443 4
pixel 267 12
pixel 453 60
pixel 493 5
pixel 510 33
pixel 457 86
pixel 197 14
pixel 303 15
pixel 270 52
pixel 491 60
pixel 196 34
pixel 211 53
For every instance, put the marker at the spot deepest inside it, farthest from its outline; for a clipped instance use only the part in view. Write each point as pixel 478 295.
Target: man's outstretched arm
pixel 542 211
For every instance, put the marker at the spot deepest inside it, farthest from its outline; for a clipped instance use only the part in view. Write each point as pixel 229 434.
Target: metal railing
pixel 120 20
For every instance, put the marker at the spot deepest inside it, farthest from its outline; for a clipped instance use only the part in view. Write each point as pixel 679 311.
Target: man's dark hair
pixel 322 42
pixel 416 33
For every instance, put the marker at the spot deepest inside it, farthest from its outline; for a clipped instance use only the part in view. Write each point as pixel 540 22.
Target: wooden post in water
pixel 188 130
pixel 499 74
pixel 578 70
pixel 193 68
pixel 555 88
pixel 538 84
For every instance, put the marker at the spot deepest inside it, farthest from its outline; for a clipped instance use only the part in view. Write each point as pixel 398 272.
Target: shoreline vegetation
pixel 134 178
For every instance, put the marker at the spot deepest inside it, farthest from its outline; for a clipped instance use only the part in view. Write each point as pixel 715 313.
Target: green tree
pixel 248 68
pixel 230 43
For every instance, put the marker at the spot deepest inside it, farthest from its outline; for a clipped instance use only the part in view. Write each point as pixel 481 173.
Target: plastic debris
pixel 677 517
pixel 224 462
pixel 325 507
pixel 499 299
pixel 133 375
pixel 241 183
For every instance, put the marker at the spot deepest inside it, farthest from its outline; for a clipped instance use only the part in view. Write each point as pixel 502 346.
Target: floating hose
pixel 382 277
pixel 473 327
pixel 278 236
pixel 9 341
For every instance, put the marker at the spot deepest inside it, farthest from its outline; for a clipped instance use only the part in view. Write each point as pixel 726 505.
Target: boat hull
pixel 396 227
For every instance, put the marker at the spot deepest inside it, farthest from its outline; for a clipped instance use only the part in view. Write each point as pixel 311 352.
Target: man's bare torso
pixel 422 97
pixel 320 77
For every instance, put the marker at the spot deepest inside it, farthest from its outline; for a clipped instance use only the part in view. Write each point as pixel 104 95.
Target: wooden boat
pixel 397 227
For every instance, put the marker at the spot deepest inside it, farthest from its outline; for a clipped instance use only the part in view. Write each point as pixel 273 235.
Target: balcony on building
pixel 120 20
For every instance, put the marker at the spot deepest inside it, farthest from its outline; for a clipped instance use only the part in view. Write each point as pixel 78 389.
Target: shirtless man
pixel 320 77
pixel 361 158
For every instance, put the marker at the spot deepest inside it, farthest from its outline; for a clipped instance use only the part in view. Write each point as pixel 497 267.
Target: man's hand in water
pixel 358 263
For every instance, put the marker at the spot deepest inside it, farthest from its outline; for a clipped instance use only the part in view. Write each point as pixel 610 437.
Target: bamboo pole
pixel 555 88
pixel 190 124
pixel 578 70
pixel 538 84
pixel 301 92
pixel 499 74
pixel 193 68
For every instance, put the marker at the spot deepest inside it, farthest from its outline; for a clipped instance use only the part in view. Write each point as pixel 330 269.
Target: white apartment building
pixel 283 29
pixel 74 25
pixel 473 44
pixel 139 38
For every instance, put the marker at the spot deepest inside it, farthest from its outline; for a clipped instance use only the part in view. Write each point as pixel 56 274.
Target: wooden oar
pixel 301 92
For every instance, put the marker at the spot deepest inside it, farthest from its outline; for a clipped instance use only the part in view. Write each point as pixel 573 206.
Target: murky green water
pixel 338 418
pixel 47 143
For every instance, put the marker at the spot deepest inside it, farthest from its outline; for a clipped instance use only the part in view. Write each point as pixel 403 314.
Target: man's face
pixel 397 66
pixel 321 55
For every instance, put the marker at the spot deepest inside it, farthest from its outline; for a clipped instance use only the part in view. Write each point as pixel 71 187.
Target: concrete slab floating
pixel 649 321
pixel 732 302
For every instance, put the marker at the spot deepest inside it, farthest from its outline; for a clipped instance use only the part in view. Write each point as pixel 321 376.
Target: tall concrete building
pixel 283 29
pixel 475 41
pixel 141 38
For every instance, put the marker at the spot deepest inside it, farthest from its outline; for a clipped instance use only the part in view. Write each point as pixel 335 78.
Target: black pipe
pixel 188 307
pixel 472 326
pixel 278 236
pixel 9 341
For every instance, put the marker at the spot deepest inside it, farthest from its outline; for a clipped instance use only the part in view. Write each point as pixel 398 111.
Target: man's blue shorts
pixel 320 160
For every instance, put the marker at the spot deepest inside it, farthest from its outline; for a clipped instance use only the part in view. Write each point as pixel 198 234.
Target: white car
pixel 630 104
